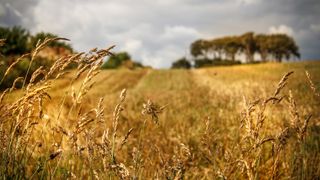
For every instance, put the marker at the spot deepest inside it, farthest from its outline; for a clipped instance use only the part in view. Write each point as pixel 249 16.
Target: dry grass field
pixel 239 122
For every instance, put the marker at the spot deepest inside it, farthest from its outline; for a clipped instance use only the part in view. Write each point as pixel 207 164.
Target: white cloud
pixel 282 29
pixel 247 1
pixel 172 43
pixel 2 10
pixel 163 57
pixel 132 46
pixel 160 31
pixel 173 32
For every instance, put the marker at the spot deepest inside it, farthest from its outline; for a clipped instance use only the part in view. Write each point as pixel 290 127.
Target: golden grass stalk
pixel 149 108
pixel 40 45
pixel 282 83
pixel 125 139
pixel 312 86
pixel 12 65
pixel 15 82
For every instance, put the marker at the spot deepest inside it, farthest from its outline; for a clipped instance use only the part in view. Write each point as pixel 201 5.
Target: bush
pixel 20 69
pixel 182 63
pixel 16 41
pixel 215 62
pixel 121 59
pixel 116 60
pixel 42 35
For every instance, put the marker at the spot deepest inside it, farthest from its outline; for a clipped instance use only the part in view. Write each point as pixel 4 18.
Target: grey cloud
pixel 16 12
pixel 160 31
pixel 9 16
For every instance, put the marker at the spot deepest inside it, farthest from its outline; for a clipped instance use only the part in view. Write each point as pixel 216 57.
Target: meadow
pixel 257 121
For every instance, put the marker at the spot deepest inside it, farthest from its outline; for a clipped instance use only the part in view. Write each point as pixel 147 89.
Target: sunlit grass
pixel 198 134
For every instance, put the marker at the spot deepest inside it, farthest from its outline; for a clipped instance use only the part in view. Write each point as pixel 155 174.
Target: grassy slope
pixel 191 97
pixel 202 91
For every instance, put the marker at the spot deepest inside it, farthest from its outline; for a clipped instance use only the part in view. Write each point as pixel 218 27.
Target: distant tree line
pixel 227 50
pixel 268 46
pixel 181 63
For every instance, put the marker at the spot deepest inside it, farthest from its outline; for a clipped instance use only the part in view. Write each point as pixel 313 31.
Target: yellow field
pixel 198 124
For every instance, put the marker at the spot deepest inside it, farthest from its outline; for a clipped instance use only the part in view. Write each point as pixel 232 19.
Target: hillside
pixel 199 118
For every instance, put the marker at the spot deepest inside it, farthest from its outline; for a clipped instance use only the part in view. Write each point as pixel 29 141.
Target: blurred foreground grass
pixel 195 103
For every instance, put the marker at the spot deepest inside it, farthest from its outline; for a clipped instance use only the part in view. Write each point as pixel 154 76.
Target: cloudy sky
pixel 157 32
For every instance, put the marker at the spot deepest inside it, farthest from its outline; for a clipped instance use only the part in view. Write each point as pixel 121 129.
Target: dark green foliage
pixel 274 46
pixel 122 56
pixel 138 64
pixel 182 63
pixel 262 46
pixel 282 46
pixel 42 35
pixel 215 62
pixel 248 45
pixel 20 69
pixel 199 47
pixel 116 60
pixel 120 59
pixel 16 41
pixel 202 63
pixel 231 46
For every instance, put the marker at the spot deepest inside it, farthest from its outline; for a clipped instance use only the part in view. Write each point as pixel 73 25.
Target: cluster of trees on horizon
pixel 268 46
pixel 227 50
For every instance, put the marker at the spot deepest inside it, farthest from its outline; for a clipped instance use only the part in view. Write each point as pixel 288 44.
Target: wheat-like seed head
pixel 282 83
pixel 12 65
pixel 312 86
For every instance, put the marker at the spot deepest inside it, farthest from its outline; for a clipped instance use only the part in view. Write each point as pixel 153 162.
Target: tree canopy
pixel 121 59
pixel 269 46
pixel 181 63
pixel 19 41
pixel 116 60
pixel 16 40
pixel 42 35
